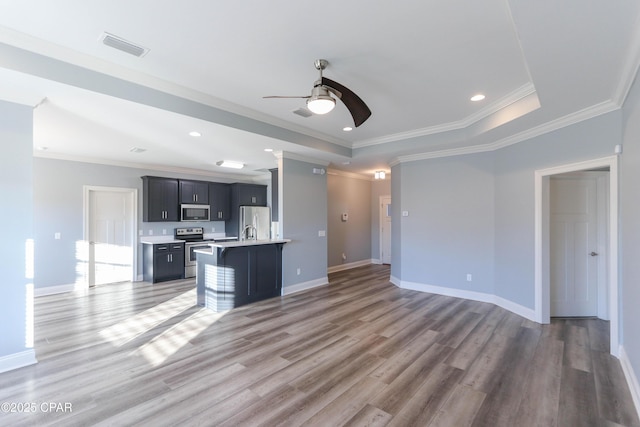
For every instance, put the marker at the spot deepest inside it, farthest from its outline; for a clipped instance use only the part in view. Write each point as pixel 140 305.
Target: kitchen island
pixel 231 274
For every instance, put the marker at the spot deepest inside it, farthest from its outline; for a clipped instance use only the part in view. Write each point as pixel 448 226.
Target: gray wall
pixel 378 188
pixel 303 201
pixel 630 227
pixel 475 213
pixel 449 231
pixel 515 167
pixel 16 127
pixel 58 207
pixel 353 237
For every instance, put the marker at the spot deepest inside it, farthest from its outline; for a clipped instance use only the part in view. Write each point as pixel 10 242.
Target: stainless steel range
pixel 194 239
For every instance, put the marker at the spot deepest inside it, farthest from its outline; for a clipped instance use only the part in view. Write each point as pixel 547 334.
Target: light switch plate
pixel 321 233
pixel 405 213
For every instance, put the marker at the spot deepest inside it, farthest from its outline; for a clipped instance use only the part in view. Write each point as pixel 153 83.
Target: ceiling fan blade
pixel 278 96
pixel 356 106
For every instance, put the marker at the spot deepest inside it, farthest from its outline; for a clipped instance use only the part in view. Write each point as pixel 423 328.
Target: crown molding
pixel 562 122
pixel 511 98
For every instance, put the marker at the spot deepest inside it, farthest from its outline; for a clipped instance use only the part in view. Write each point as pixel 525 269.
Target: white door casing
pixel 385 229
pixel 110 233
pixel 541 242
pixel 575 249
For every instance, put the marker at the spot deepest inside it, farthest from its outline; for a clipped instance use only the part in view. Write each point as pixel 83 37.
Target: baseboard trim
pixel 394 280
pixel 376 261
pixel 349 265
pixel 299 287
pixel 632 378
pixel 511 306
pixel 18 360
pixel 52 290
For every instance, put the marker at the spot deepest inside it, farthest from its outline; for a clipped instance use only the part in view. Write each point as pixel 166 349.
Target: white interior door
pixel 573 245
pixel 385 229
pixel 111 235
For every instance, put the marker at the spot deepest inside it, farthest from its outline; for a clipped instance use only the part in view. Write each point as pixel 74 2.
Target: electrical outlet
pixel 298 272
pixel 405 213
pixel 469 277
pixel 321 233
pixel 164 231
pixel 150 232
pixel 57 236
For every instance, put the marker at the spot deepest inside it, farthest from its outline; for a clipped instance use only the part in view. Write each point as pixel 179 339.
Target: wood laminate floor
pixel 359 352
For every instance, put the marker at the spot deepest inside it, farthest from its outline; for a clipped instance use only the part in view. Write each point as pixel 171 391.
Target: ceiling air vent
pixel 123 45
pixel 303 112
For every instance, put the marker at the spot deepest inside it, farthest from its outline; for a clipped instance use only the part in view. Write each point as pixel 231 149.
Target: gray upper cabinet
pixel 219 201
pixel 248 194
pixel 194 192
pixel 159 199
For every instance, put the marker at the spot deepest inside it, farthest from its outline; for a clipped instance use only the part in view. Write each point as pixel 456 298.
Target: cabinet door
pixel 252 195
pixel 162 267
pixel 265 274
pixel 219 201
pixel 177 260
pixel 194 192
pixel 160 199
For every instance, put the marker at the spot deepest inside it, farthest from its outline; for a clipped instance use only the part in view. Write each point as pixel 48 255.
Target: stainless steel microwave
pixel 194 212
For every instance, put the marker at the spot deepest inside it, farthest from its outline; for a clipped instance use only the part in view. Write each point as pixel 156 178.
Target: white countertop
pixel 159 240
pixel 167 239
pixel 247 243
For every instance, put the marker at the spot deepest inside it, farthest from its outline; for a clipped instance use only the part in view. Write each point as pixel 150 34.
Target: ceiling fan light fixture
pixel 230 164
pixel 320 102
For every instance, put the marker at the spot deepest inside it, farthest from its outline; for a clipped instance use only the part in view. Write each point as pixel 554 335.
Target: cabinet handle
pixel 196 197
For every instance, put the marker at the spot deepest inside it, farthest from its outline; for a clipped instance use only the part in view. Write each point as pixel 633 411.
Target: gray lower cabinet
pixel 235 276
pixel 162 262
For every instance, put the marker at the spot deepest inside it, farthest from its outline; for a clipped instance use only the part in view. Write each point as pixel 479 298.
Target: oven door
pixel 190 257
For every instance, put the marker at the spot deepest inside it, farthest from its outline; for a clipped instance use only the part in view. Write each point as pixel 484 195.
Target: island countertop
pixel 235 244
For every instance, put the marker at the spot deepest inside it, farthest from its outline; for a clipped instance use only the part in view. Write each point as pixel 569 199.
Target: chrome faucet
pixel 252 236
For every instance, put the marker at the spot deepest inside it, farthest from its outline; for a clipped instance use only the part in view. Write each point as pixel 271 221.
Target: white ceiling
pixel 541 65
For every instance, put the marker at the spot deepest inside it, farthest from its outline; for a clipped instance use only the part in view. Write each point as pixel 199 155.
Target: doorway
pixel 385 229
pixel 542 268
pixel 577 239
pixel 110 218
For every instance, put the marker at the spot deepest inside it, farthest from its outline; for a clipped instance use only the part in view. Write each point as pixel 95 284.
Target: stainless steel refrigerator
pixel 255 223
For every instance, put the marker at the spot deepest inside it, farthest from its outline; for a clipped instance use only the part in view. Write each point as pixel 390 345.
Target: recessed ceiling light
pixel 478 97
pixel 346 163
pixel 347 128
pixel 137 150
pixel 42 148
pixel 268 150
pixel 230 164
pixel 195 133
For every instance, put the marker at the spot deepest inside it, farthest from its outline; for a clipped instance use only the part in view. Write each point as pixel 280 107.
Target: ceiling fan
pixel 321 102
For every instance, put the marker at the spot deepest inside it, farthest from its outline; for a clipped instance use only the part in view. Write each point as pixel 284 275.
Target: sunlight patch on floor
pixel 134 326
pixel 161 347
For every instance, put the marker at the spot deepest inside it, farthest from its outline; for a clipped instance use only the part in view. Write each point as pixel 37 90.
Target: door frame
pixel 541 241
pixel 133 193
pixel 380 224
